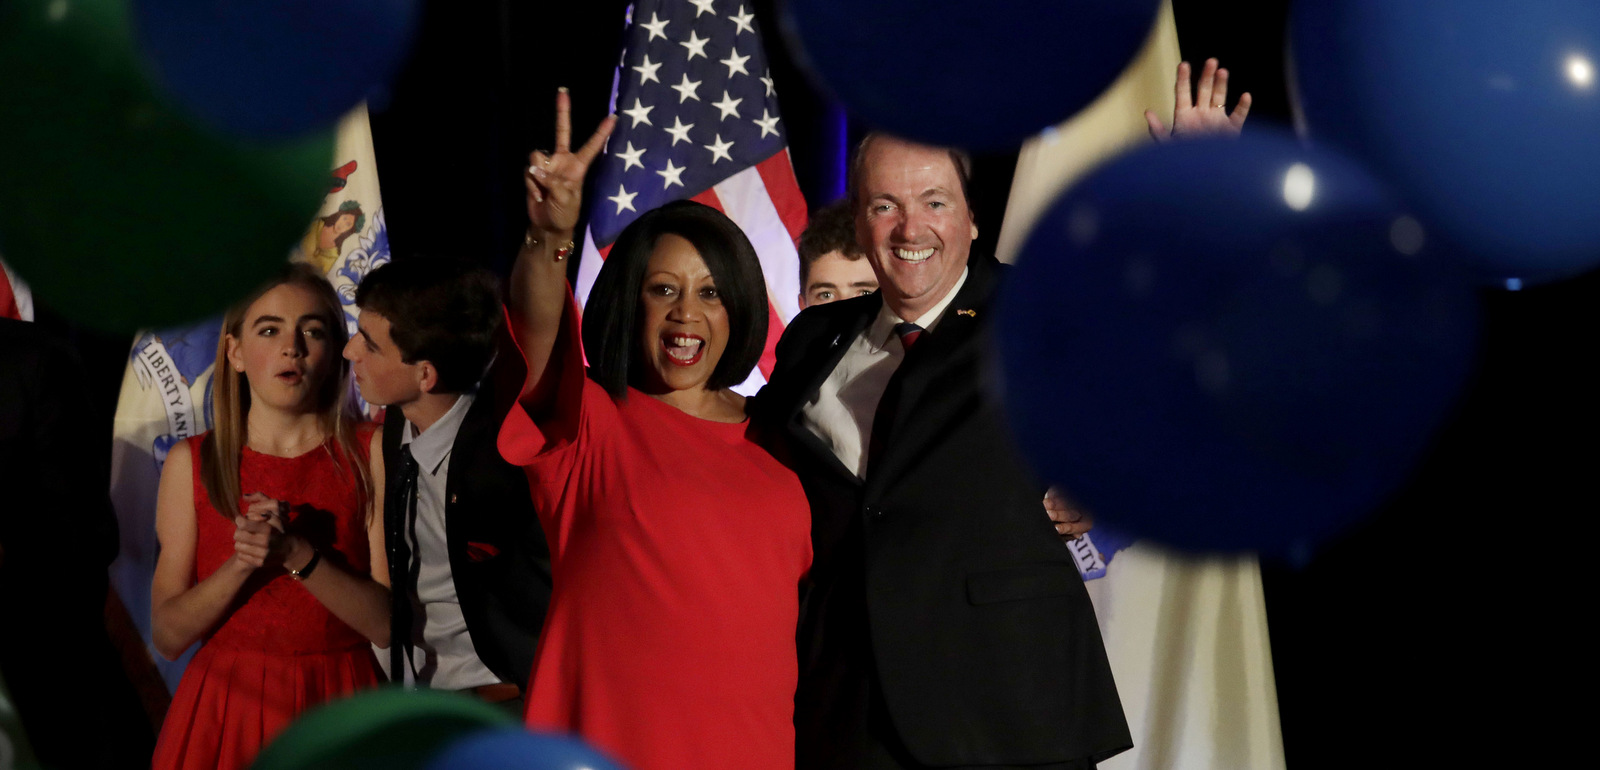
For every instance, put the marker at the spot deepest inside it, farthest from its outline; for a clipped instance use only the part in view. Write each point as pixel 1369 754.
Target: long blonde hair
pixel 221 449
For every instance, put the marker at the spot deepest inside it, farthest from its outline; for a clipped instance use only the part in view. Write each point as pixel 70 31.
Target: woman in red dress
pixel 677 542
pixel 270 554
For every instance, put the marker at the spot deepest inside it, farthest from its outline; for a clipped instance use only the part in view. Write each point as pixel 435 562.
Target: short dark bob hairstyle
pixel 611 317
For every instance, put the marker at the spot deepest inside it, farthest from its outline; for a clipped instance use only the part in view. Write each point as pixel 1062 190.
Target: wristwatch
pixel 305 572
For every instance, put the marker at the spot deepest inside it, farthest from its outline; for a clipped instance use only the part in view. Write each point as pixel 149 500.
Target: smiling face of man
pixel 912 218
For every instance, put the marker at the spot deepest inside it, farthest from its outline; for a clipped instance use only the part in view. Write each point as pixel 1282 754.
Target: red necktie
pixel 909 332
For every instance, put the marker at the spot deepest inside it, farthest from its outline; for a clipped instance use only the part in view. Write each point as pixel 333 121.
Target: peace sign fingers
pixel 563 120
pixel 554 180
pixel 591 149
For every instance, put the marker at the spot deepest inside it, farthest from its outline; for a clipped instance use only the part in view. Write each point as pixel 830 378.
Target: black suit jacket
pixel 498 555
pixel 938 579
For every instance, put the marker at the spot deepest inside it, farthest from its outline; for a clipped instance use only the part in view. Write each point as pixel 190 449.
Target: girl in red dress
pixel 677 542
pixel 270 553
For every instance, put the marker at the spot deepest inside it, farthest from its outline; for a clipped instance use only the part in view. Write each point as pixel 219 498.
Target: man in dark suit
pixel 468 563
pixel 946 625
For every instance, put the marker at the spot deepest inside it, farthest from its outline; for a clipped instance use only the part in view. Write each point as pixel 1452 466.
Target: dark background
pixel 1445 628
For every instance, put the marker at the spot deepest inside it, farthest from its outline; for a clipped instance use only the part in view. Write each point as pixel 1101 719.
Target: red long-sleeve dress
pixel 677 547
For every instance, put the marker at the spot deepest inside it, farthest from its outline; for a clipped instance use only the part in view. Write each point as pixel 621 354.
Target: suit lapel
pixel 478 421
pixel 922 416
pixel 820 363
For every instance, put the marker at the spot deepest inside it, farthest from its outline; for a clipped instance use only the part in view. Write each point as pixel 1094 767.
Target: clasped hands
pixel 261 537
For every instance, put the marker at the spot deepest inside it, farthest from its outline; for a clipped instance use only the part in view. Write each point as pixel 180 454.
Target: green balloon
pixel 117 208
pixel 384 729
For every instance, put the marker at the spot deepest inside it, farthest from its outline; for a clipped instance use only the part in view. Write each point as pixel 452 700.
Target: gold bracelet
pixel 529 241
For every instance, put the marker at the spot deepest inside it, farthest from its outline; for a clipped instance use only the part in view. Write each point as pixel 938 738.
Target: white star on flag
pixel 729 106
pixel 735 62
pixel 696 45
pixel 623 199
pixel 656 26
pixel 730 160
pixel 679 131
pixel 647 71
pixel 686 90
pixel 639 113
pixel 630 157
pixel 742 21
pixel 719 149
pixel 673 175
pixel 768 123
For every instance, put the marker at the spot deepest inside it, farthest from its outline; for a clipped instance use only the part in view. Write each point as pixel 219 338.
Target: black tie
pixel 883 418
pixel 401 582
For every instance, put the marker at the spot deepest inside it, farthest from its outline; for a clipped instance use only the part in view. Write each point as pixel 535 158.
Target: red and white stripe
pixel 16 299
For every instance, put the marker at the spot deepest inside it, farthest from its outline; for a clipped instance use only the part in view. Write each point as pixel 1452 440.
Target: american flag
pixel 697 118
pixel 16 299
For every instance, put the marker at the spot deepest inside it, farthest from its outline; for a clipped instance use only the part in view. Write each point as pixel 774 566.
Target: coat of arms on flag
pixel 697 118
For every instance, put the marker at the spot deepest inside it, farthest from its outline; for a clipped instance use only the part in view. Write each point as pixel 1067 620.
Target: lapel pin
pixel 967 312
pixel 453 499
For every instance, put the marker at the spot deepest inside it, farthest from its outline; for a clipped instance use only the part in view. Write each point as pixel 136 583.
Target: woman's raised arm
pixel 538 290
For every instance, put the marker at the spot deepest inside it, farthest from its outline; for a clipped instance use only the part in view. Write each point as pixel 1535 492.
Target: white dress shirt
pixel 443 656
pixel 841 411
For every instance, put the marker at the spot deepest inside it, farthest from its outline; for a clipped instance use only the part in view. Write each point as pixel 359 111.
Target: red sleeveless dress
pixel 279 652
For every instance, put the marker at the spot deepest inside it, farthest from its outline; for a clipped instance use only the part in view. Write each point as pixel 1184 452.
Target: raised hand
pixel 1206 114
pixel 555 180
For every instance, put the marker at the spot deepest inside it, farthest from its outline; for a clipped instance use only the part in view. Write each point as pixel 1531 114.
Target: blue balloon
pixel 981 75
pixel 273 68
pixel 1484 115
pixel 1231 345
pixel 518 749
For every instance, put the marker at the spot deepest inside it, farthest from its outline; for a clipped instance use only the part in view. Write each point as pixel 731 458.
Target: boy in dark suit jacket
pixel 946 625
pixel 468 563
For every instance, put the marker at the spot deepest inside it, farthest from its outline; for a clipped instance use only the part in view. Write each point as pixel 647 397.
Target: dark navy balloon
pixel 983 75
pixel 273 68
pixel 1231 345
pixel 1484 114
pixel 518 749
